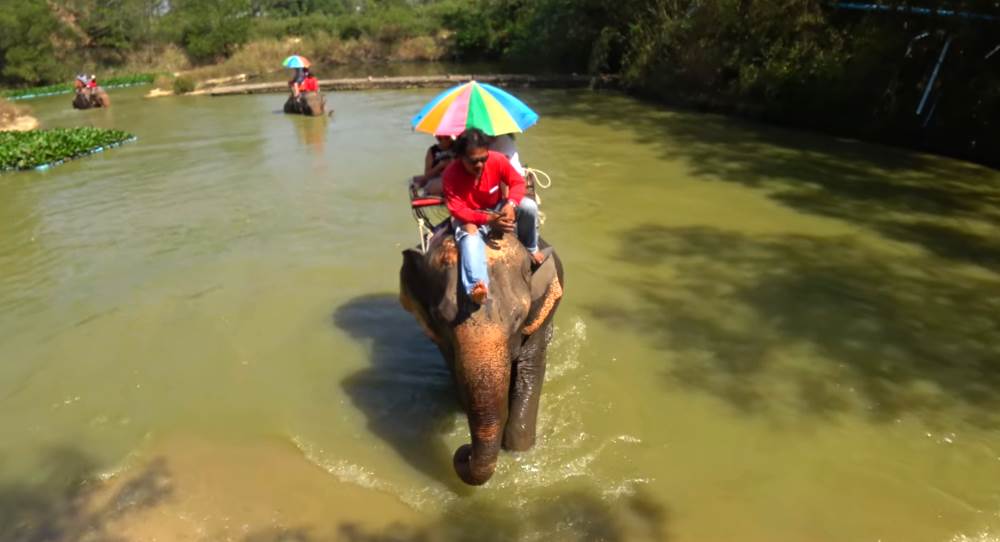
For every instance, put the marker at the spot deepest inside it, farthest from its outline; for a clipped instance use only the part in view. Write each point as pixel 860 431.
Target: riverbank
pixel 15 119
pixel 432 81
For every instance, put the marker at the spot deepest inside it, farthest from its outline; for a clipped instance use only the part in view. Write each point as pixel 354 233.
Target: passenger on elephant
pixel 472 193
pixel 297 77
pixel 92 86
pixel 309 82
pixel 437 158
pixel 505 145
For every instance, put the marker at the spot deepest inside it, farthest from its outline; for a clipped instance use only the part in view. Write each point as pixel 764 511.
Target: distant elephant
pixel 496 352
pixel 311 104
pixel 84 100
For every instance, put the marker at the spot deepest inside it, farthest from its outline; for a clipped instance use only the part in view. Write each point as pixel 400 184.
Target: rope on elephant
pixel 538 176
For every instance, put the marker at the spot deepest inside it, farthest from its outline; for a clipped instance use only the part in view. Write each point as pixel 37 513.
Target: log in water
pixel 430 81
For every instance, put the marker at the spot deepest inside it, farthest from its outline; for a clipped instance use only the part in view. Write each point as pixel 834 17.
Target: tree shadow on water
pixel 407 393
pixel 64 505
pixel 824 324
pixel 573 515
pixel 902 195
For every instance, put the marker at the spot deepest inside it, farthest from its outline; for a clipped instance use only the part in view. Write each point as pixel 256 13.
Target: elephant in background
pixel 311 104
pixel 496 352
pixel 86 100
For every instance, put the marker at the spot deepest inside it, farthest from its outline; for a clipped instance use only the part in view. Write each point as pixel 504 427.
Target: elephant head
pixel 496 351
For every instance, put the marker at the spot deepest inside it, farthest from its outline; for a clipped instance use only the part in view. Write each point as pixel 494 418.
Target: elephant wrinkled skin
pixel 310 104
pixel 84 100
pixel 496 352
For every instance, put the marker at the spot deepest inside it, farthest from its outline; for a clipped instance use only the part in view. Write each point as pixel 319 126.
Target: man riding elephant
pixel 487 299
pixel 473 194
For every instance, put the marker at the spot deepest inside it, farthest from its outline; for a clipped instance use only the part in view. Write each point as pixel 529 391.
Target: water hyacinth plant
pixel 64 88
pixel 40 148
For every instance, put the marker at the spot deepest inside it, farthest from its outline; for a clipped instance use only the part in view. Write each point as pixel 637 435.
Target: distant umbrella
pixel 474 105
pixel 296 61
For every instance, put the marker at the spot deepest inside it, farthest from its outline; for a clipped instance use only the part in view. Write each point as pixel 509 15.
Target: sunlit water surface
pixel 766 335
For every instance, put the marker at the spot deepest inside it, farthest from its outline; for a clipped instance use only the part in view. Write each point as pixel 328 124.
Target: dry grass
pixel 264 56
pixel 8 112
pixel 161 59
pixel 423 48
pixel 15 117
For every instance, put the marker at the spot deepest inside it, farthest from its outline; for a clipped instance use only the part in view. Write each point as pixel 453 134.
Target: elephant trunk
pixel 483 373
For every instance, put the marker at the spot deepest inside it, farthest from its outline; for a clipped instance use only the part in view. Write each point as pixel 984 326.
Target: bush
pixel 183 85
pixel 209 31
pixel 27 150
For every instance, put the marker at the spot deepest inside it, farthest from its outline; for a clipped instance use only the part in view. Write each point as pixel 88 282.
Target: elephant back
pixel 314 104
pixel 310 104
pixel 81 101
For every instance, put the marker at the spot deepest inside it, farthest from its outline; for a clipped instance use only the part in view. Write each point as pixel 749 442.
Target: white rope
pixel 424 233
pixel 538 177
pixel 538 174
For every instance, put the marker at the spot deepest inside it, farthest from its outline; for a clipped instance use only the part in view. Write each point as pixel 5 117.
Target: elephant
pixel 496 351
pixel 84 100
pixel 311 104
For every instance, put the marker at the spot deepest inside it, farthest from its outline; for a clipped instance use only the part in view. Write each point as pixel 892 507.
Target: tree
pixel 210 30
pixel 27 53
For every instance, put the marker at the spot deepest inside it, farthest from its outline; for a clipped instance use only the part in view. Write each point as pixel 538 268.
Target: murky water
pixel 766 335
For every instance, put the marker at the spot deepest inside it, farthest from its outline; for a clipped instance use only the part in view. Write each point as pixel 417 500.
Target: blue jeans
pixel 472 248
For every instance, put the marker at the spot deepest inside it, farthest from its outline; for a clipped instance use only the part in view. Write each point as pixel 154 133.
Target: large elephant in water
pixel 311 104
pixel 86 100
pixel 496 351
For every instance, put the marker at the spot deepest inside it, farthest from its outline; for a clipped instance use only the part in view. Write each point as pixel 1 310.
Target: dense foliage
pixel 26 150
pixel 804 62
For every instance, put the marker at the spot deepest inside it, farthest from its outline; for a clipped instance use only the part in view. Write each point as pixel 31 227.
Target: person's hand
pixel 504 220
pixel 500 221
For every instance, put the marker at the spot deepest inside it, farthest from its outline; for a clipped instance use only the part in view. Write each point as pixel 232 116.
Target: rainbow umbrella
pixel 296 61
pixel 474 105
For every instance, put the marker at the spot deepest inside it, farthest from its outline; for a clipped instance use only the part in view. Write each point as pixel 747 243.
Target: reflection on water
pixel 312 132
pixel 766 335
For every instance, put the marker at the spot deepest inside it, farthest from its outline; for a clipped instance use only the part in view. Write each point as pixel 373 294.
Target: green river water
pixel 766 335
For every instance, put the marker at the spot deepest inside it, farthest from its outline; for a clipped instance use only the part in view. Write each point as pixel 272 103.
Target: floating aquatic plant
pixel 43 148
pixel 65 88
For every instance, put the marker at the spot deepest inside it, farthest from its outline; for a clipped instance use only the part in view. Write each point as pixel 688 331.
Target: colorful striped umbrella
pixel 474 105
pixel 296 61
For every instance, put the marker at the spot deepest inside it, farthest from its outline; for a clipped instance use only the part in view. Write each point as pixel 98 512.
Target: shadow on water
pixel 571 515
pixel 824 324
pixel 63 506
pixel 407 393
pixel 934 203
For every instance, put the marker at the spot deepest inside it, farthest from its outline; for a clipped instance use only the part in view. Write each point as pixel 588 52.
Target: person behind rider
pixel 309 82
pixel 298 76
pixel 437 158
pixel 472 193
pixel 92 87
pixel 505 145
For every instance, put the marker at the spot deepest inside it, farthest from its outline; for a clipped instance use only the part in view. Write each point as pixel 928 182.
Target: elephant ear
pixel 425 285
pixel 546 290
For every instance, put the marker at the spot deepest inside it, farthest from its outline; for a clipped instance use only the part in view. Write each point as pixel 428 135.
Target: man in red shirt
pixel 472 191
pixel 310 83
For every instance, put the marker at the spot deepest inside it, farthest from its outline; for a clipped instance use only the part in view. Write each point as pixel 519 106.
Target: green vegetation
pixel 798 62
pixel 26 150
pixel 61 88
pixel 183 85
